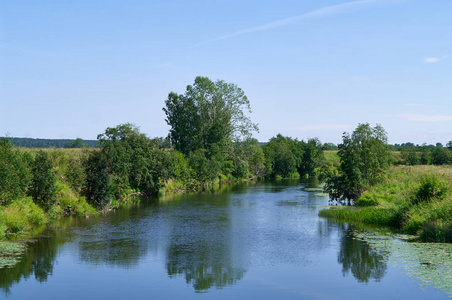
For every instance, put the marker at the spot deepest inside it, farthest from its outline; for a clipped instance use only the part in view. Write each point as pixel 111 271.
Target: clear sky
pixel 310 68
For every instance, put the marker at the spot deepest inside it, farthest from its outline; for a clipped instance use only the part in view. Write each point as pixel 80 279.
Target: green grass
pixel 416 200
pixel 20 216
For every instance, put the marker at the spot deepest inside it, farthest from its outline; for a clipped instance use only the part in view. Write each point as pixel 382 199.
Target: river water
pixel 255 241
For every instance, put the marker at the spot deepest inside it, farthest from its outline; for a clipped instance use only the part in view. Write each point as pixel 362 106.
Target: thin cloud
pixel 424 118
pixel 432 60
pixel 324 127
pixel 348 7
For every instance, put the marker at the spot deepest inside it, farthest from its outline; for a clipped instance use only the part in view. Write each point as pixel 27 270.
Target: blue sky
pixel 309 68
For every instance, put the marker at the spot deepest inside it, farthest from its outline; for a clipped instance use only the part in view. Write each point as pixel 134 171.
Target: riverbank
pixel 22 217
pixel 413 199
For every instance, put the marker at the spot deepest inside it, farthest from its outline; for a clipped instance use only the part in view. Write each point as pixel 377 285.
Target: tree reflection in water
pixel 201 244
pixel 203 266
pixel 357 257
pixel 38 260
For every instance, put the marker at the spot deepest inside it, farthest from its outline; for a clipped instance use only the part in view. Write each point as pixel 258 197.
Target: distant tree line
pixel 426 154
pixel 417 147
pixel 53 143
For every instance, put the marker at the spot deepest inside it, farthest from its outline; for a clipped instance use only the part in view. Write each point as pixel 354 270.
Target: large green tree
pixel 364 155
pixel 207 113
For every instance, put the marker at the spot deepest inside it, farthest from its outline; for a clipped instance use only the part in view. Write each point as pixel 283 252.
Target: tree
pixel 208 113
pixel 410 156
pixel 312 158
pixel 14 172
pixel 43 182
pixel 283 156
pixel 133 160
pixel 364 155
pixel 97 184
pixel 441 156
pixel 77 143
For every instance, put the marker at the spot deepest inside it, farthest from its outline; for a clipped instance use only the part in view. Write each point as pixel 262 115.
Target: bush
pixel 430 188
pixel 367 199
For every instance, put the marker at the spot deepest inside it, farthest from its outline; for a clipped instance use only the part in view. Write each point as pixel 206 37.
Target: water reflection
pixel 201 243
pixel 203 266
pixel 38 261
pixel 357 257
pixel 120 240
pixel 211 240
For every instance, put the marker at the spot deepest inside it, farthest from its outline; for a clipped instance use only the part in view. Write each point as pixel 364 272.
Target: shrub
pixel 430 188
pixel 367 199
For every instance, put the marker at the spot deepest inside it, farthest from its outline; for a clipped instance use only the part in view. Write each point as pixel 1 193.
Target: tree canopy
pixel 207 113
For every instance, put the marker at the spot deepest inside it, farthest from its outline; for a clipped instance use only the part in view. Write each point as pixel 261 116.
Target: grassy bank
pixel 414 199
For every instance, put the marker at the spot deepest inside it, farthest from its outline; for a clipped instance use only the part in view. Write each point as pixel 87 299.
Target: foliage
pixel 286 157
pixel 208 113
pixel 313 158
pixel 14 172
pixel 201 166
pixel 410 156
pixel 441 156
pixel 430 188
pixel 254 156
pixel 97 185
pixel 279 159
pixel 43 183
pixel 133 161
pixel 364 156
pixel 75 174
pixel 77 143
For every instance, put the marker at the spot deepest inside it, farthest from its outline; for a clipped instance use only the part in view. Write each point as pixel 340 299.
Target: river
pixel 250 241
